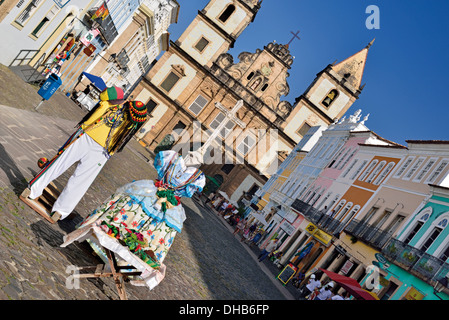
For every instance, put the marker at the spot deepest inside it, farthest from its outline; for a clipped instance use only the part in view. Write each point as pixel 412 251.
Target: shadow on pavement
pixel 13 173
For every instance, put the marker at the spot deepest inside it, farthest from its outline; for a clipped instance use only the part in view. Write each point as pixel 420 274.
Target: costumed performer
pixel 102 132
pixel 141 219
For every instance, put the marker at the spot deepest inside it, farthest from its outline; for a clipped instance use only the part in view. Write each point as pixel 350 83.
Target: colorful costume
pixel 141 219
pixel 101 133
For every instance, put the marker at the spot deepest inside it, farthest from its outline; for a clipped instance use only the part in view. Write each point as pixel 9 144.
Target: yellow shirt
pixel 100 130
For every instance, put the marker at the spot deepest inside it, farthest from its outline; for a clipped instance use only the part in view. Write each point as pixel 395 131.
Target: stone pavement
pixel 267 266
pixel 206 262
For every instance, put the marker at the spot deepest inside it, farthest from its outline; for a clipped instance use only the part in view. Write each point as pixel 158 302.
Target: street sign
pixel 286 274
pixel 288 228
pixel 89 50
pixel 89 36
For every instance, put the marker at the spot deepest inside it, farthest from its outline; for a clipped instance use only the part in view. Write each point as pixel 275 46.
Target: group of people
pixel 314 290
pixel 221 204
pixel 250 233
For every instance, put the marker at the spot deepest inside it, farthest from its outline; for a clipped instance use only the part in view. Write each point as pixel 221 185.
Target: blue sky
pixel 407 69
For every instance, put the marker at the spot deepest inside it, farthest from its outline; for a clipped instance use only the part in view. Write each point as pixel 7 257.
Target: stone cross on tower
pixel 295 35
pixel 197 157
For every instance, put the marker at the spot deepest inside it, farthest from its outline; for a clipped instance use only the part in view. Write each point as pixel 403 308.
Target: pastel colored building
pixel 131 38
pixel 418 254
pixel 396 193
pixel 354 187
pixel 267 207
pixel 315 174
pixel 31 25
pixel 418 258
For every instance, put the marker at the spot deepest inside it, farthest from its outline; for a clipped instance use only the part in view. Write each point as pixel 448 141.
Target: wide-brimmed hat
pixel 114 95
pixel 137 111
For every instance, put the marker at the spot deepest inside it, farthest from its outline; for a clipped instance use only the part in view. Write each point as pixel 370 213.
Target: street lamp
pixel 440 284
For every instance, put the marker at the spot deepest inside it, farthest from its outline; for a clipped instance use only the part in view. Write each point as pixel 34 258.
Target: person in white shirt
pixel 325 292
pixel 337 297
pixel 311 285
pixel 347 296
pixel 271 246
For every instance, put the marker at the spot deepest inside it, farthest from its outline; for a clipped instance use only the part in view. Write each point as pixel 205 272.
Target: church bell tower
pixel 330 95
pixel 216 27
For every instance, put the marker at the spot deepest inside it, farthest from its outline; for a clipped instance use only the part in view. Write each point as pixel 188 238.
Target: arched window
pixel 348 217
pixel 227 13
pixel 444 253
pixel 265 86
pixel 250 76
pixel 433 235
pixel 331 96
pixel 312 195
pixel 338 207
pixel 375 171
pixel 384 173
pixel 317 197
pixel 421 220
pixel 342 213
pixel 347 159
pixel 368 170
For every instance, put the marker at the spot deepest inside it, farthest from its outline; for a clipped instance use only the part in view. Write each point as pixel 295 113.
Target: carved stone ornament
pixel 209 90
pixel 284 108
pixel 312 119
pixel 281 51
pixel 225 60
pixel 179 68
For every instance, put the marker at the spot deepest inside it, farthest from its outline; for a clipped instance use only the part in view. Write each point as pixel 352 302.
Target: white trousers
pixel 91 157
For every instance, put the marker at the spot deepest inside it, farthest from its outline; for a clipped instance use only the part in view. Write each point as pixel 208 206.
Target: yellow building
pixel 269 194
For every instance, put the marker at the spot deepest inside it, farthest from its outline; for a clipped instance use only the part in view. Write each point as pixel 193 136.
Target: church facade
pixel 194 88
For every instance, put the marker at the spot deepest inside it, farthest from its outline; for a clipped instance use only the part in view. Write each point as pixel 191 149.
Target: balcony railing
pixel 416 261
pixel 301 206
pixel 367 233
pixel 318 217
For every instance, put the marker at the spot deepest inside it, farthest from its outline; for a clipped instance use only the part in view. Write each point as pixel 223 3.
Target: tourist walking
pixel 240 226
pixel 271 246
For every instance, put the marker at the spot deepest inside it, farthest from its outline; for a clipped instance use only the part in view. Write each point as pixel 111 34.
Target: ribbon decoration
pixel 166 196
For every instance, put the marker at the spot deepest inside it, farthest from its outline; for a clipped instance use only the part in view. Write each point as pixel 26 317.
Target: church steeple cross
pixel 295 35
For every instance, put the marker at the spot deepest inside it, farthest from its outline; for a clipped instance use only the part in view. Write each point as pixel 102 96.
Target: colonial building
pixel 418 263
pixel 196 82
pixel 347 255
pixel 287 167
pixel 130 56
pixel 267 210
pixel 127 43
pixel 391 202
pixel 115 40
pixel 314 184
pixel 417 250
pixel 31 27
